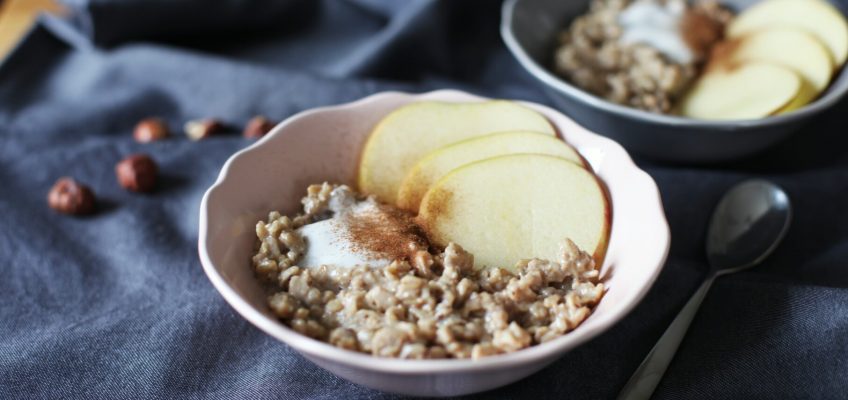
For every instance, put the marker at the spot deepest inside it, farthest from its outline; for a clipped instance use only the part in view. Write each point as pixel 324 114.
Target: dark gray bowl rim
pixel 548 78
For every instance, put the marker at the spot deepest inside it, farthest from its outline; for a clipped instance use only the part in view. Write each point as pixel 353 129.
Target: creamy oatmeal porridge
pixel 362 276
pixel 640 53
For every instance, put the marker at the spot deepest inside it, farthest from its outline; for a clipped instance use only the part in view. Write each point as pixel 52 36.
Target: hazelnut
pixel 257 127
pixel 150 129
pixel 71 197
pixel 137 172
pixel 202 128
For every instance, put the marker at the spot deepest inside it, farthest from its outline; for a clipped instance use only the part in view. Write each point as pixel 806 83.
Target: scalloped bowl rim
pixel 360 360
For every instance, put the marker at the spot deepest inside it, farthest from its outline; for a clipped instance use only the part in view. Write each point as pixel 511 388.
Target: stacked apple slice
pixel 779 56
pixel 437 164
pixel 490 176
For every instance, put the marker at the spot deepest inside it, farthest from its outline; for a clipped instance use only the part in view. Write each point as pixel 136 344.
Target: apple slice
pixel 806 94
pixel 440 162
pixel 515 207
pixel 407 134
pixel 817 17
pixel 747 91
pixel 791 48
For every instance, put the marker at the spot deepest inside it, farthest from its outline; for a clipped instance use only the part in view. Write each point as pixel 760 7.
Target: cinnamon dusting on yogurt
pixel 387 231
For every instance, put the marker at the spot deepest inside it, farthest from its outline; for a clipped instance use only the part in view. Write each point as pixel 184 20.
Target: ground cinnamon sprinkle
pixel 700 31
pixel 720 57
pixel 385 230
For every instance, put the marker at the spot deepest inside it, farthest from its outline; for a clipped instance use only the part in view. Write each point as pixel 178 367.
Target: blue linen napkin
pixel 116 305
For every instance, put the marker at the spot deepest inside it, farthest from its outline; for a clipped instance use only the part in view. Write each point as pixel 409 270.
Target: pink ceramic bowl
pixel 323 145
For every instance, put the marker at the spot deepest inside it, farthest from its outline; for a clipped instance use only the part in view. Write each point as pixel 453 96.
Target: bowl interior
pixel 535 25
pixel 324 145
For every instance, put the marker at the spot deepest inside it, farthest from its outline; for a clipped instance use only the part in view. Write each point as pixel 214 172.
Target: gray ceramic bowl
pixel 529 28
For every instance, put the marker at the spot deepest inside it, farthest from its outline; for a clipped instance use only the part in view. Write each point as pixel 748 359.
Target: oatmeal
pixel 640 53
pixel 392 295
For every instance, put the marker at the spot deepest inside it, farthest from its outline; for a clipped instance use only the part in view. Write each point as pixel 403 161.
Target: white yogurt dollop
pixel 329 243
pixel 656 26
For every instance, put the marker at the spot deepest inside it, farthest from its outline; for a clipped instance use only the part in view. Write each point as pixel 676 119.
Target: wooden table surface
pixel 16 17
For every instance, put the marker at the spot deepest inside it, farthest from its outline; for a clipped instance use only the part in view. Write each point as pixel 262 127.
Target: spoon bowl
pixel 747 225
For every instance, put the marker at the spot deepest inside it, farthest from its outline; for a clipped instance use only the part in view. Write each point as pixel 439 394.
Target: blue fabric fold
pixel 111 22
pixel 116 305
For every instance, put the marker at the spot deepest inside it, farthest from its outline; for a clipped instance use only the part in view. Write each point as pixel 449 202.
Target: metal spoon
pixel 746 226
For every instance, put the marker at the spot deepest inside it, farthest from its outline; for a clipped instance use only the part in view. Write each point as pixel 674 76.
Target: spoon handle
pixel 646 378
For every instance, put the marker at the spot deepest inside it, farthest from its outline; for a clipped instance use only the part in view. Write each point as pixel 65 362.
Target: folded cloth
pixel 115 305
pixel 109 22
